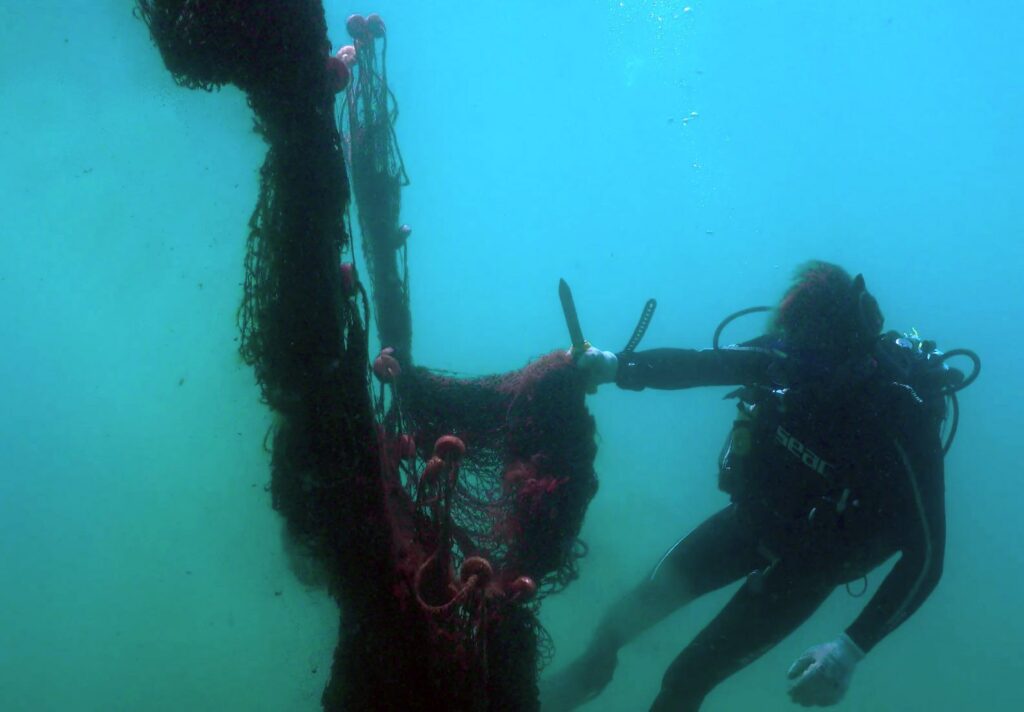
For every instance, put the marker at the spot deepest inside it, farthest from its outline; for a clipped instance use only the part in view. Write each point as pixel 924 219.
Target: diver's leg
pixel 752 623
pixel 717 552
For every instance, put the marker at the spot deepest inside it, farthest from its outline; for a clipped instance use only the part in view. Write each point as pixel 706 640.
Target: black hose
pixel 732 317
pixel 953 424
pixel 971 377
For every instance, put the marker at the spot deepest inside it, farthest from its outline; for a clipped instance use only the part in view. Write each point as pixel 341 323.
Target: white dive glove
pixel 823 672
pixel 599 366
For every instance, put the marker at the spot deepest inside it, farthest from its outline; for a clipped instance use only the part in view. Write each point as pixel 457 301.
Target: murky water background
pixel 693 153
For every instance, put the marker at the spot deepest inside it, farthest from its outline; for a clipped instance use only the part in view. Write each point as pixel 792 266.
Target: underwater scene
pixel 381 356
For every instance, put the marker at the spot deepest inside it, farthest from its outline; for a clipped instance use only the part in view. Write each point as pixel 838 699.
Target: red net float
pixel 449 448
pixel 476 571
pixel 337 74
pixel 385 366
pixel 357 27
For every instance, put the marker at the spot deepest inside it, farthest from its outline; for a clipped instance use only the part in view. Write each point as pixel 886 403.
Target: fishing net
pixel 442 509
pixel 527 474
pixel 498 470
pixel 367 122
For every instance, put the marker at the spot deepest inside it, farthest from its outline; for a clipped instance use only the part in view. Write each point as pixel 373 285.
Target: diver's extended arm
pixel 687 368
pixel 919 569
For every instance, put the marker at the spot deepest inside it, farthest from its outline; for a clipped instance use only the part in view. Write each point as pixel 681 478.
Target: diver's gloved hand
pixel 823 672
pixel 599 366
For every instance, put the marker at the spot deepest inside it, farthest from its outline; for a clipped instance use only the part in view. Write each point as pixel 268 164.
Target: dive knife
pixel 572 319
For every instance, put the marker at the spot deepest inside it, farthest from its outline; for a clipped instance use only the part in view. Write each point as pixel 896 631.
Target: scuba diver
pixel 834 463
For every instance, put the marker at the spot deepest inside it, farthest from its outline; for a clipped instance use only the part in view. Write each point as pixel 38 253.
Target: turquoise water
pixel 637 149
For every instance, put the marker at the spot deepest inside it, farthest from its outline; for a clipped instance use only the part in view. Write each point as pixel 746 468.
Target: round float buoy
pixel 405 446
pixel 347 54
pixel 385 366
pixel 338 74
pixel 522 588
pixel 357 27
pixel 449 447
pixel 375 25
pixel 476 566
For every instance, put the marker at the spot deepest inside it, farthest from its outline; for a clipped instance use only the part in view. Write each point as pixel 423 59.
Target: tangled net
pixel 516 498
pixel 369 113
pixel 442 509
pixel 527 475
pixel 488 477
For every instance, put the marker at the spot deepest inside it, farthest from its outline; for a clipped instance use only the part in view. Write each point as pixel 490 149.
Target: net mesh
pixel 527 475
pixel 434 553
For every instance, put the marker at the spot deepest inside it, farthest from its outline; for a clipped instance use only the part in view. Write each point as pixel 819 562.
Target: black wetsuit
pixel 828 483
